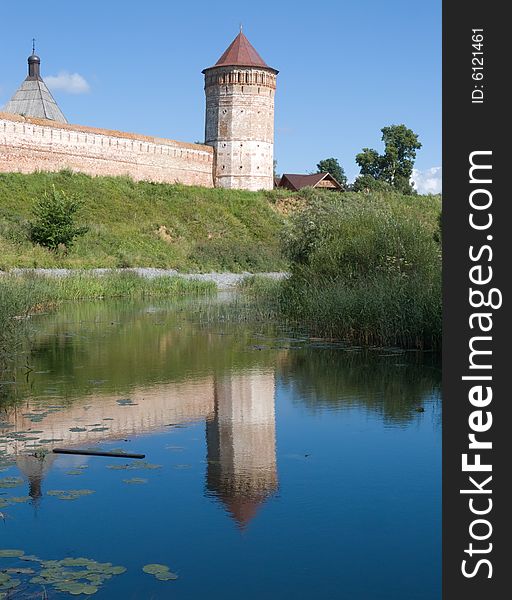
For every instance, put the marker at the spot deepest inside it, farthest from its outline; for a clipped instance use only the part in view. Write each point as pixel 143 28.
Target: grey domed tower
pixel 240 90
pixel 33 98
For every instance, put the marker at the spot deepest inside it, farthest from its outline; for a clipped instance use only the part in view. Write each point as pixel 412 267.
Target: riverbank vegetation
pixel 364 268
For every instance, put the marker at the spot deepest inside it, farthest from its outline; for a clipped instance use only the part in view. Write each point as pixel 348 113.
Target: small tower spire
pixel 34 63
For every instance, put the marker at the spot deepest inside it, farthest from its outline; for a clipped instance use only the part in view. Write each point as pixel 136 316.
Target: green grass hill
pixel 146 225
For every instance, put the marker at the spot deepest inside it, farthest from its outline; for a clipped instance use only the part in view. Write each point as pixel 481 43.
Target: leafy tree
pixel 332 166
pixel 396 164
pixel 368 183
pixel 54 220
pixel 370 163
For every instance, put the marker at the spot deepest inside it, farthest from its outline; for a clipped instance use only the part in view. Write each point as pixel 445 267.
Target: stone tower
pixel 33 98
pixel 240 90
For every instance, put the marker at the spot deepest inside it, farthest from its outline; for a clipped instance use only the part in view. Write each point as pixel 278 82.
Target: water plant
pixel 69 494
pixel 76 575
pixel 10 482
pixel 161 572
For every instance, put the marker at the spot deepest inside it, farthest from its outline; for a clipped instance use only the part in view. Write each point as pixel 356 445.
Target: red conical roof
pixel 241 53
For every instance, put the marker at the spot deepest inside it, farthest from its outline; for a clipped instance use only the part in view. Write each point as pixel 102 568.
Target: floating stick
pixel 97 453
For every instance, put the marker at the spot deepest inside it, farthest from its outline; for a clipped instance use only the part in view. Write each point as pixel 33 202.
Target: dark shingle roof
pixel 294 181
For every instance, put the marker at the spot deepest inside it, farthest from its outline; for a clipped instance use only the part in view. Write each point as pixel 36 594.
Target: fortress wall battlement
pixel 29 144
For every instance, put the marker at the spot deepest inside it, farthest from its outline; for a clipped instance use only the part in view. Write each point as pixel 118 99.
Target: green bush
pixel 54 220
pixel 366 268
pixel 367 183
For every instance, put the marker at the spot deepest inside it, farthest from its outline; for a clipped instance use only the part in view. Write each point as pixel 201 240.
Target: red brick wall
pixel 28 145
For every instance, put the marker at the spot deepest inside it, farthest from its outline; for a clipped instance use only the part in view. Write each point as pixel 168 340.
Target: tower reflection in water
pixel 239 410
pixel 241 443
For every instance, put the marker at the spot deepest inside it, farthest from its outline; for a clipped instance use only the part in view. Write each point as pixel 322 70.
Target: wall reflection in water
pixel 238 408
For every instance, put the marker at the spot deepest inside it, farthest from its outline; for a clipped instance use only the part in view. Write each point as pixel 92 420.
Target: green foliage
pixel 141 224
pixel 54 220
pixel 368 183
pixel 366 269
pixel 332 166
pixel 396 164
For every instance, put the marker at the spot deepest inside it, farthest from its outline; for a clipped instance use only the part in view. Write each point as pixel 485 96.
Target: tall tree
pixel 396 164
pixel 332 166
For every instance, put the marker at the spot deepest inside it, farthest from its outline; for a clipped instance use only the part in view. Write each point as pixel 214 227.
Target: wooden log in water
pixel 97 453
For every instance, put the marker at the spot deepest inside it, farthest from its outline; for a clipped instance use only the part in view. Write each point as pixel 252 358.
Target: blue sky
pixel 346 68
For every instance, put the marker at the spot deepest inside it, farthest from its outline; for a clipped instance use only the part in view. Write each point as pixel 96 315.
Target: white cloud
pixel 72 83
pixel 428 181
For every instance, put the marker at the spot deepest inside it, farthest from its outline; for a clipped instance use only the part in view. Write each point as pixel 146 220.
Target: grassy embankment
pixel 365 269
pixel 145 225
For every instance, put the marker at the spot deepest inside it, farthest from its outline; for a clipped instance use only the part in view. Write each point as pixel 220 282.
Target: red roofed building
pixel 296 182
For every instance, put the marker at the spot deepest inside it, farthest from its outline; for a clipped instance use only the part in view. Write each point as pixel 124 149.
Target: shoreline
pixel 223 280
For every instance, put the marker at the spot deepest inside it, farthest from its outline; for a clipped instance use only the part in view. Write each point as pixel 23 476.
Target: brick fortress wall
pixel 28 145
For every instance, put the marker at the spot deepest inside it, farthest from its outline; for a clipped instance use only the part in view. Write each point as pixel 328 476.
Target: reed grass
pixel 365 269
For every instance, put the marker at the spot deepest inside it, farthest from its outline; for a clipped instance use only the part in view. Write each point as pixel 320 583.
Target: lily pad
pixel 9 584
pixel 76 588
pixel 134 466
pixel 161 572
pixel 30 558
pixel 10 482
pixel 20 570
pixel 9 553
pixel 76 576
pixel 69 494
pixel 135 480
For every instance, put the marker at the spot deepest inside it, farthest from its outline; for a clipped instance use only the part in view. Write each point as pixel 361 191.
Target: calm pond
pixel 276 466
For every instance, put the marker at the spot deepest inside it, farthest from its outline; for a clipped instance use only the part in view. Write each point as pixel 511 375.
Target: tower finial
pixel 34 63
pixel 241 28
